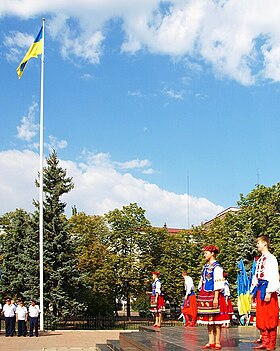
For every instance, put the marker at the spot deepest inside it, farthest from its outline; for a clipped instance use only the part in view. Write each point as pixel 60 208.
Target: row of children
pixel 213 306
pixel 18 313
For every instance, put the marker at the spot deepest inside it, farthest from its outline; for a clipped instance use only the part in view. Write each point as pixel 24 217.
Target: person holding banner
pixel 212 308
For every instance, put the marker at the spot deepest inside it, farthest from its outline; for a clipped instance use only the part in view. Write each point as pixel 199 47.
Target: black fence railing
pixel 102 323
pixel 84 322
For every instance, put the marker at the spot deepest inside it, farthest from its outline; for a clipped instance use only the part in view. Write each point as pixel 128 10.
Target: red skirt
pixel 190 308
pixel 159 306
pixel 229 307
pixel 267 312
pixel 207 314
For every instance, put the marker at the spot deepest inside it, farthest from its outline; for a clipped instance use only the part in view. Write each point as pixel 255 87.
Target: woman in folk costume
pixel 264 288
pixel 157 300
pixel 189 306
pixel 212 308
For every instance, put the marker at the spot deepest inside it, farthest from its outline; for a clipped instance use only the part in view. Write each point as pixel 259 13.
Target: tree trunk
pixel 128 304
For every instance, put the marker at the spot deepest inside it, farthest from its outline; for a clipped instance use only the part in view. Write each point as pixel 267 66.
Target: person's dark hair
pixel 264 238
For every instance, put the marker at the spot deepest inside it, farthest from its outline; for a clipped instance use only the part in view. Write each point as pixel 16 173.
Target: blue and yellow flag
pixel 35 49
pixel 243 290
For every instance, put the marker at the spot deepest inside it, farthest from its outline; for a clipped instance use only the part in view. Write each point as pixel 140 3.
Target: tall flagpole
pixel 41 204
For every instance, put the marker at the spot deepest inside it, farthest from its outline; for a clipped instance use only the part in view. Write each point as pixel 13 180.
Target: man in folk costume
pixel 189 306
pixel 157 300
pixel 212 308
pixel 264 288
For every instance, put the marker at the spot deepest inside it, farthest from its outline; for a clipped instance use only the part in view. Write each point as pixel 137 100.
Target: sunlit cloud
pixel 237 40
pixel 99 189
pixel 177 95
pixel 55 144
pixel 28 129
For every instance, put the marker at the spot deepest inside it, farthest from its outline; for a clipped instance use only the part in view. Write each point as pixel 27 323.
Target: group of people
pixel 213 306
pixel 17 313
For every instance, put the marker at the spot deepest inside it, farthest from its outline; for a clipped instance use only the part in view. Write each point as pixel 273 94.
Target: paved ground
pixel 187 339
pixel 58 341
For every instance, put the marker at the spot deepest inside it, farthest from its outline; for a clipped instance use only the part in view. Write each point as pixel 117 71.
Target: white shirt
pixel 9 310
pixel 189 286
pixel 267 269
pixel 34 311
pixel 226 289
pixel 21 311
pixel 158 286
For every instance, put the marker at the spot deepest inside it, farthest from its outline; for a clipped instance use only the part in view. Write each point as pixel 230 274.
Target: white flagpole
pixel 41 217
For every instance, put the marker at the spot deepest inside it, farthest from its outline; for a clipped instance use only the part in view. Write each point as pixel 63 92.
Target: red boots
pixel 272 339
pixel 268 340
pixel 265 341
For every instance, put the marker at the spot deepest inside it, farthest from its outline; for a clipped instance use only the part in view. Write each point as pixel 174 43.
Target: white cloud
pixel 237 38
pixel 134 164
pixel 85 43
pixel 177 95
pixel 19 170
pixel 136 93
pixel 148 171
pixel 55 144
pixel 99 188
pixel 100 159
pixel 16 43
pixel 87 76
pixel 28 129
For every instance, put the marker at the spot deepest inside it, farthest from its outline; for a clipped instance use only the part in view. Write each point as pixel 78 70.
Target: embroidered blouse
pixel 267 269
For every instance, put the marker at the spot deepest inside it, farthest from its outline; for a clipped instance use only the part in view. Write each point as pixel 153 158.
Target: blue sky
pixel 141 97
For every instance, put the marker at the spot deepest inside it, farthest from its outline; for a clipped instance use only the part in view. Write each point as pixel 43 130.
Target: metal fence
pixel 102 323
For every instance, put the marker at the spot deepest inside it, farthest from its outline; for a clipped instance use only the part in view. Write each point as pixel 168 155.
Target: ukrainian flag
pixel 35 49
pixel 243 290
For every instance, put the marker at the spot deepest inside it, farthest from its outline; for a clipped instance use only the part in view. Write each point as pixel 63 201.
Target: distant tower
pixel 258 177
pixel 188 192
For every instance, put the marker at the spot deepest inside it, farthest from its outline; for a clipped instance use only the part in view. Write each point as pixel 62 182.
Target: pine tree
pixel 61 277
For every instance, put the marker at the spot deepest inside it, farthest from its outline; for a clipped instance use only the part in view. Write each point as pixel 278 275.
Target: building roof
pixel 221 215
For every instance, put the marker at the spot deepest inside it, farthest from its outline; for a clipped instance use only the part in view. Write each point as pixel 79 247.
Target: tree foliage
pixel 92 261
pixel 19 256
pixel 95 262
pixel 126 227
pixel 61 277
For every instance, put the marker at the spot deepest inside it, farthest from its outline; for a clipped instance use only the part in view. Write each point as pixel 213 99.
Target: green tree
pixel 95 262
pixel 151 248
pixel 19 256
pixel 236 233
pixel 126 228
pixel 261 213
pixel 181 252
pixel 61 277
